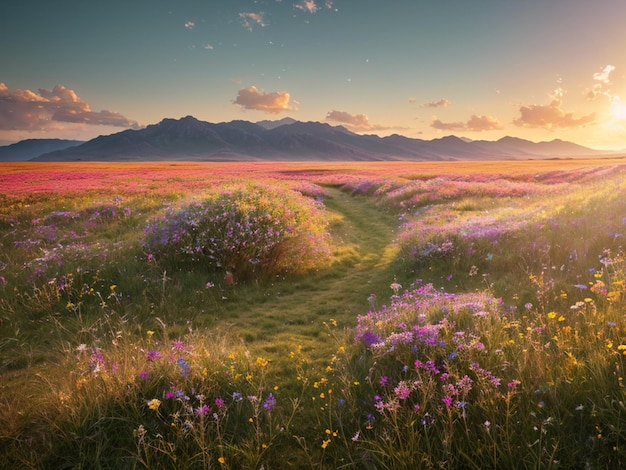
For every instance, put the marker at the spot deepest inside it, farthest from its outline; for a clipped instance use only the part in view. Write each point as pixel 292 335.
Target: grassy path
pixel 275 320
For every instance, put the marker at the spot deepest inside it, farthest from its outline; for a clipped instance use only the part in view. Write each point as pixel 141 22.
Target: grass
pixel 465 316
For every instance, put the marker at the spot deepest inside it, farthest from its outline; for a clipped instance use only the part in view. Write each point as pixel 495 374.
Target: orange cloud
pixel 308 6
pixel 272 103
pixel 483 123
pixel 355 122
pixel 550 117
pixel 249 20
pixel 474 124
pixel 442 103
pixel 28 111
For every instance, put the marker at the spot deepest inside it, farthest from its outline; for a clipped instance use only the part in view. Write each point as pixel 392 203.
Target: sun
pixel 618 110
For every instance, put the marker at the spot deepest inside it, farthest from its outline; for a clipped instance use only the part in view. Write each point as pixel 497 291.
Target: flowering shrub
pixel 245 230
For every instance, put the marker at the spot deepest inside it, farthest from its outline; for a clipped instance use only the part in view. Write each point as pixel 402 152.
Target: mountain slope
pixel 31 148
pixel 191 139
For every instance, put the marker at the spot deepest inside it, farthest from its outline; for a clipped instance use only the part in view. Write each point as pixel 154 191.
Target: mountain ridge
pixel 25 150
pixel 189 139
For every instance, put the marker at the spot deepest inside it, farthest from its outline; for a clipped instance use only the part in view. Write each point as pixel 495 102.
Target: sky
pixel 480 69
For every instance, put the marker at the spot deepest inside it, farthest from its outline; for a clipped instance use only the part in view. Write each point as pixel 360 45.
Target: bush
pixel 249 230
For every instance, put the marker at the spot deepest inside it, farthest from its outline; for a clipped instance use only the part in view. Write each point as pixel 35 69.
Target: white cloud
pixel 604 75
pixel 474 124
pixel 602 87
pixel 249 20
pixel 47 109
pixel 272 103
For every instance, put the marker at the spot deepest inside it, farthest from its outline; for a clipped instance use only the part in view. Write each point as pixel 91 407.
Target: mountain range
pixel 31 148
pixel 189 139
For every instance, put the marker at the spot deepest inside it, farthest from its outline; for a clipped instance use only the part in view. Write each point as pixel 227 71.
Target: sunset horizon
pixel 476 70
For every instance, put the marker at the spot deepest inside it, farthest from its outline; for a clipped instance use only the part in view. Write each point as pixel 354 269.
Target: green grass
pixel 108 357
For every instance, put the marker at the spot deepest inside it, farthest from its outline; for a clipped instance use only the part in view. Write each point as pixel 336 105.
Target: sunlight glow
pixel 618 110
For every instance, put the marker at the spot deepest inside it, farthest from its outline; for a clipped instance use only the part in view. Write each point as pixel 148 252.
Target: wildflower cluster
pixel 189 401
pixel 431 371
pixel 246 230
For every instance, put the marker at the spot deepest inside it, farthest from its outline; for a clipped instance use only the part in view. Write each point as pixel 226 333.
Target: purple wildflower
pixel 370 338
pixel 202 410
pixel 402 391
pixel 183 366
pixel 270 402
pixel 153 355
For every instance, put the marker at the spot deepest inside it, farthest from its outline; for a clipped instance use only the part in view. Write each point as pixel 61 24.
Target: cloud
pixel 604 75
pixel 190 25
pixel 249 20
pixel 602 87
pixel 272 103
pixel 442 103
pixel 359 121
pixel 448 126
pixel 308 5
pixel 45 110
pixel 483 123
pixel 355 122
pixel 474 124
pixel 550 117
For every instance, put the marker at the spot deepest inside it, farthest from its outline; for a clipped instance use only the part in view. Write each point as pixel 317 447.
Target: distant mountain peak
pixel 273 124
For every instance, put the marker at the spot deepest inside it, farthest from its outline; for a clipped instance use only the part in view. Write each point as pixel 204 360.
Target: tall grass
pixel 496 341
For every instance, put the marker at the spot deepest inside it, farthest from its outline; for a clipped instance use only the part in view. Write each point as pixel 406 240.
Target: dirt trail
pixel 295 311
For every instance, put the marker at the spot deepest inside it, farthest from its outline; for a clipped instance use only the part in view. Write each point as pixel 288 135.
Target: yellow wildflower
pixel 154 404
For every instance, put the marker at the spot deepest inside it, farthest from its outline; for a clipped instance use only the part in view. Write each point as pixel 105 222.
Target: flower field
pixel 313 315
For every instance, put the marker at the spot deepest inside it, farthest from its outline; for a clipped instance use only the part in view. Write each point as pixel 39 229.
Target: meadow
pixel 313 315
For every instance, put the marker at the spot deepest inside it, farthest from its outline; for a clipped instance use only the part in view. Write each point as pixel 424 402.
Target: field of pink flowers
pixel 379 315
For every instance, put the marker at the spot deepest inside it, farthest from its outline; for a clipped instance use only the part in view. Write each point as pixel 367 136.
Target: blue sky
pixel 482 69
